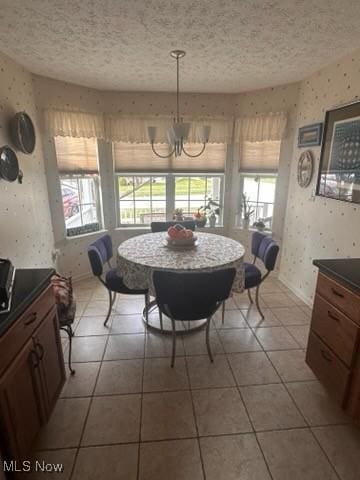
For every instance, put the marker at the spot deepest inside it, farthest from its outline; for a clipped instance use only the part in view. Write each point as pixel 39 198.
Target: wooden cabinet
pixel 32 375
pixel 333 351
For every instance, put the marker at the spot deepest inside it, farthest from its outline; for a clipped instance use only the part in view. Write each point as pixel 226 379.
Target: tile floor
pixel 256 413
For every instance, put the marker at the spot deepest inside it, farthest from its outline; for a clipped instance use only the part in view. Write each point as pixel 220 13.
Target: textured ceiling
pixel 232 45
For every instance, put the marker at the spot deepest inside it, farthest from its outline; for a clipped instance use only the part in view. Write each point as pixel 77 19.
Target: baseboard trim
pixel 82 276
pixel 296 291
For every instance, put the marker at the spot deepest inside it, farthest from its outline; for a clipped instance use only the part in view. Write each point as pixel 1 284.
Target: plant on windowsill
pixel 260 225
pixel 210 210
pixel 178 215
pixel 247 211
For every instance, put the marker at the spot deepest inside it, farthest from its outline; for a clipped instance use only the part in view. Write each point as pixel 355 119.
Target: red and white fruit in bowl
pixel 179 235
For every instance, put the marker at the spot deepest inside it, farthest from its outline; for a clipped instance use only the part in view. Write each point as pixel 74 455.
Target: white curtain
pixel 63 123
pixel 133 129
pixel 260 128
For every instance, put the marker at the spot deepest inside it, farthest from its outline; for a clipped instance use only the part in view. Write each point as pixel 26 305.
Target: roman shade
pixel 76 155
pixel 65 123
pixel 138 157
pixel 259 140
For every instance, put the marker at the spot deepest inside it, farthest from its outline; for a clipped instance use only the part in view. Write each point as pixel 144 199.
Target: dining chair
pixel 163 226
pixel 100 253
pixel 264 248
pixel 192 296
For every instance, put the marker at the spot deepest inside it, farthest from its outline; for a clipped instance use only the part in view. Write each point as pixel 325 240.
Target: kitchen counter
pixel 28 284
pixel 345 270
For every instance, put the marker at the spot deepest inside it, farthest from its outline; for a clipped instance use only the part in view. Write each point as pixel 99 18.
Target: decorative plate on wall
pixel 305 168
pixel 23 132
pixel 9 165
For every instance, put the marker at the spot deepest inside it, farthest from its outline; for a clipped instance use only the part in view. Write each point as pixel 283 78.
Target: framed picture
pixel 339 171
pixel 310 135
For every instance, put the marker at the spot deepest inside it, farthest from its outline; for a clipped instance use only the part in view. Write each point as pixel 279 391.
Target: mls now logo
pixel 36 466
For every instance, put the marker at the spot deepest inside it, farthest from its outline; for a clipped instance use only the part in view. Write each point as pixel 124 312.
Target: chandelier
pixel 179 131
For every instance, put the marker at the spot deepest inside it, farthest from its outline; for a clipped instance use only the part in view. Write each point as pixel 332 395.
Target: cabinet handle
pixel 31 319
pixel 35 355
pixel 335 292
pixel 332 316
pixel 41 348
pixel 326 355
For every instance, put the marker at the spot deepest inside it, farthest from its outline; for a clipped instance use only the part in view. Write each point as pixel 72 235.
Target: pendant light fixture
pixel 179 131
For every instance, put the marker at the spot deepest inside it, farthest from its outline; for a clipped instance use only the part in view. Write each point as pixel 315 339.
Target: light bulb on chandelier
pixel 178 133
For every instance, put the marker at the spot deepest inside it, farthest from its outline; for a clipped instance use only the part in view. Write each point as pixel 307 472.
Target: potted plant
pixel 200 217
pixel 247 211
pixel 210 210
pixel 260 225
pixel 178 215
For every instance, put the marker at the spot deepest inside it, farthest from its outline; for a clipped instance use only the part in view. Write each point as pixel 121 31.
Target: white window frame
pixel 170 192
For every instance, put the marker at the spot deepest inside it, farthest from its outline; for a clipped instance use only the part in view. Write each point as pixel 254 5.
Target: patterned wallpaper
pixel 26 235
pixel 319 228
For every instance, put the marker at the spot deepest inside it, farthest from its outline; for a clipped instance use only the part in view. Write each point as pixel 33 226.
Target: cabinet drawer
pixel 331 372
pixel 335 329
pixel 339 296
pixel 12 341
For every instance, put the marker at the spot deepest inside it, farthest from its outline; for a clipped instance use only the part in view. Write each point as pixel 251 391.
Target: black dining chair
pixel 163 226
pixel 192 296
pixel 100 252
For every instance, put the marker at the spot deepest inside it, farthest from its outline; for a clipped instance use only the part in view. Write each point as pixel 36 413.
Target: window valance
pixel 260 128
pixel 63 123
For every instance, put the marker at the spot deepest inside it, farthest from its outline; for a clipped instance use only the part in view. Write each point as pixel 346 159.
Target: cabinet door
pixel 22 409
pixel 48 346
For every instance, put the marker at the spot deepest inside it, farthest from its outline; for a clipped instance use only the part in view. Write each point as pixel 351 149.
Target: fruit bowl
pixel 181 241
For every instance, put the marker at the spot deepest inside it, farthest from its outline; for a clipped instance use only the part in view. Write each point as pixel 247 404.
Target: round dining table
pixel 139 256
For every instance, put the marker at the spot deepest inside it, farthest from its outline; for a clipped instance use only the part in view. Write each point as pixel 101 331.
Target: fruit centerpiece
pixel 179 236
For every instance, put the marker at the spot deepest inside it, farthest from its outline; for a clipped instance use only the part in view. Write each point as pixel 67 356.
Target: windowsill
pixel 85 235
pixel 252 229
pixel 147 228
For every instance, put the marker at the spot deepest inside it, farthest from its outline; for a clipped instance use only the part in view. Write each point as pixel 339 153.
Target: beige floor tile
pixel 125 346
pixel 252 368
pixel 127 324
pixel 129 304
pixel 83 382
pixel 120 376
pixel 88 349
pixel 62 460
pixel 195 343
pixel 270 407
pixel 272 287
pixel 239 340
pixel 92 326
pixel 113 419
pixel 96 308
pixel 254 319
pixel 277 300
pixel 306 309
pixel 275 338
pixel 158 345
pixel 112 462
pixel 300 333
pixel 65 425
pixel 342 446
pixel 235 457
pixel 295 455
pixel 315 404
pixel 100 293
pixel 220 411
pixel 204 374
pixel 230 304
pixel 291 366
pixel 291 316
pixel 233 319
pixel 176 459
pixel 242 300
pixel 160 376
pixel 167 415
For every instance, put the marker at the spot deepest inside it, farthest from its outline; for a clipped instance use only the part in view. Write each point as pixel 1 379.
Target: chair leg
pixel 161 319
pixel 147 307
pixel 257 301
pixel 249 295
pixel 208 339
pixel 173 343
pixel 70 334
pixel 223 313
pixel 111 300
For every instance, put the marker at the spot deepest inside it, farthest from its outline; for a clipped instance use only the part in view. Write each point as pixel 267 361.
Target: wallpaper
pixel 26 235
pixel 319 227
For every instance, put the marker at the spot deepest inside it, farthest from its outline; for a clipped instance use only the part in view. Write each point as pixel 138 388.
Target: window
pixel 80 184
pixel 259 191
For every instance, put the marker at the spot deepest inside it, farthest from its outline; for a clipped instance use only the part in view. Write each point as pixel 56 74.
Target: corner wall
pixel 319 227
pixel 26 235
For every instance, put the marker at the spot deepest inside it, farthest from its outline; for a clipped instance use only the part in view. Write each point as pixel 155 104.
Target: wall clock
pixel 305 169
pixel 23 132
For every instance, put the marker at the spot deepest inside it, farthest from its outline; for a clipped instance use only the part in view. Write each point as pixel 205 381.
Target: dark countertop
pixel 345 270
pixel 28 284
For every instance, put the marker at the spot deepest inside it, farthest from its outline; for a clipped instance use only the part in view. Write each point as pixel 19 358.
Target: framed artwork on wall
pixel 310 135
pixel 339 171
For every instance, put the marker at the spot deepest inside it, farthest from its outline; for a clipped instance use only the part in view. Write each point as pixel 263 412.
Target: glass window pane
pixel 250 188
pixel 126 187
pixel 126 210
pixel 142 187
pixel 267 189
